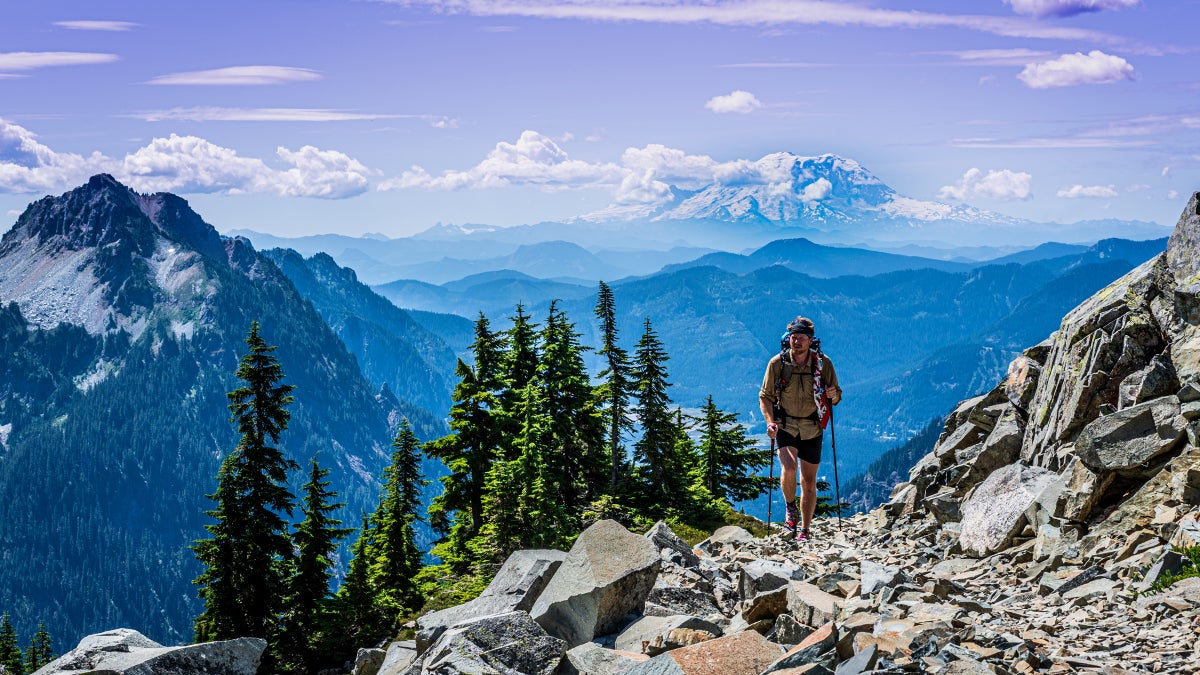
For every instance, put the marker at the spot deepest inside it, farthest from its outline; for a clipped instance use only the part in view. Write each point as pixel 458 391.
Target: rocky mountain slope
pixel 122 319
pixel 1026 541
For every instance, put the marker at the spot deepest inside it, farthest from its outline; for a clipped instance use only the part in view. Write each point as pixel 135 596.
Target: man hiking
pixel 797 391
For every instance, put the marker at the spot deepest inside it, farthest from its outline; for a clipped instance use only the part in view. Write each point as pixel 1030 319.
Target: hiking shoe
pixel 792 518
pixel 803 535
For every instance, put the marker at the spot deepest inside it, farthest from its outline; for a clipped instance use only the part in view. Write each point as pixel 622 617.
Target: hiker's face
pixel 799 340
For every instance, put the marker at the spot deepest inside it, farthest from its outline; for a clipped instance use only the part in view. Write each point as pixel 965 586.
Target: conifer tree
pixel 518 367
pixel 575 447
pixel 244 577
pixel 10 651
pixel 469 449
pixel 729 459
pixel 660 478
pixel 357 617
pixel 395 559
pixel 316 539
pixel 40 651
pixel 615 390
pixel 524 502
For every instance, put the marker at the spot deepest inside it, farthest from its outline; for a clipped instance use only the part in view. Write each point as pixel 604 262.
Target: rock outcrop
pixel 131 653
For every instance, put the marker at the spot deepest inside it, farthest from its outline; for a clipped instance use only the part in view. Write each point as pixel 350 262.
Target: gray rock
pixel 944 506
pixel 1155 380
pixel 671 547
pixel 667 601
pixel 996 509
pixel 515 587
pixel 766 605
pixel 876 576
pixel 127 651
pixel 503 643
pixel 789 631
pixel 861 662
pixel 1169 562
pixel 728 535
pixel 758 576
pixel 653 635
pixel 590 658
pixel 1126 440
pixel 1001 448
pixel 399 656
pixel 809 605
pixel 368 661
pixel 607 574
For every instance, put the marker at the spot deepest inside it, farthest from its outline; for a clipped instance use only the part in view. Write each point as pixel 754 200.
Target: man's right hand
pixel 772 429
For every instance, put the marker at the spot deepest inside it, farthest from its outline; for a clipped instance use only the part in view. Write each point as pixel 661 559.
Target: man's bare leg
pixel 808 492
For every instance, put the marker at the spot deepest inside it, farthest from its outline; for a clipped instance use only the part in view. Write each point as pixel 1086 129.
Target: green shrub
pixel 1191 568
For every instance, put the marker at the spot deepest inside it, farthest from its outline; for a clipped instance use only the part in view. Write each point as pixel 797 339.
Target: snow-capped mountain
pixel 826 191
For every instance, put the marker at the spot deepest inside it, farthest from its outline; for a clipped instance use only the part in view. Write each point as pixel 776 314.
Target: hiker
pixel 797 392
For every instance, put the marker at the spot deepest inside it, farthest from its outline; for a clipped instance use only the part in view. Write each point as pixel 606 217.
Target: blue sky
pixel 314 116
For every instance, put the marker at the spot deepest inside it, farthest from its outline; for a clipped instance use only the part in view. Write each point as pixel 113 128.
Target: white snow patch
pixel 356 465
pixel 183 330
pixel 5 430
pixel 95 376
pixel 907 207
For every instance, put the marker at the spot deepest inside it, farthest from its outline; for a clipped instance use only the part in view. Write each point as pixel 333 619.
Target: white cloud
pixel 30 60
pixel 1003 185
pixel 1093 191
pixel 669 164
pixel 738 101
pixel 109 26
pixel 240 76
pixel 1173 195
pixel 213 114
pixel 29 166
pixel 997 57
pixel 756 13
pixel 1044 8
pixel 180 164
pixel 192 164
pixel 642 188
pixel 535 159
pixel 1070 70
pixel 1165 170
pixel 816 190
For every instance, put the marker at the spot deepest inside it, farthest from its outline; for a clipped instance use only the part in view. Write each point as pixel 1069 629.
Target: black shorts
pixel 807 450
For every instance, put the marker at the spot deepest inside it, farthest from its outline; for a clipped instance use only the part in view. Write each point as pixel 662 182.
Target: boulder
pixel 668 601
pixel 876 577
pixel 745 653
pixel 671 547
pixel 368 661
pixel 759 576
pixel 1125 441
pixel 398 657
pixel 809 605
pixel 515 587
pixel 1001 448
pixel 590 658
pixel 502 643
pixel 1155 380
pixel 809 651
pixel 1022 379
pixel 729 535
pixel 653 635
pixel 766 605
pixel 607 574
pixel 127 651
pixel 996 509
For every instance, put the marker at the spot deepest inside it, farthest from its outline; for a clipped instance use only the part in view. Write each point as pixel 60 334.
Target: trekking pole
pixel 770 486
pixel 837 489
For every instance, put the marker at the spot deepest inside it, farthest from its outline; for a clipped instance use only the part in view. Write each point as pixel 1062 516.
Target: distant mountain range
pixel 826 199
